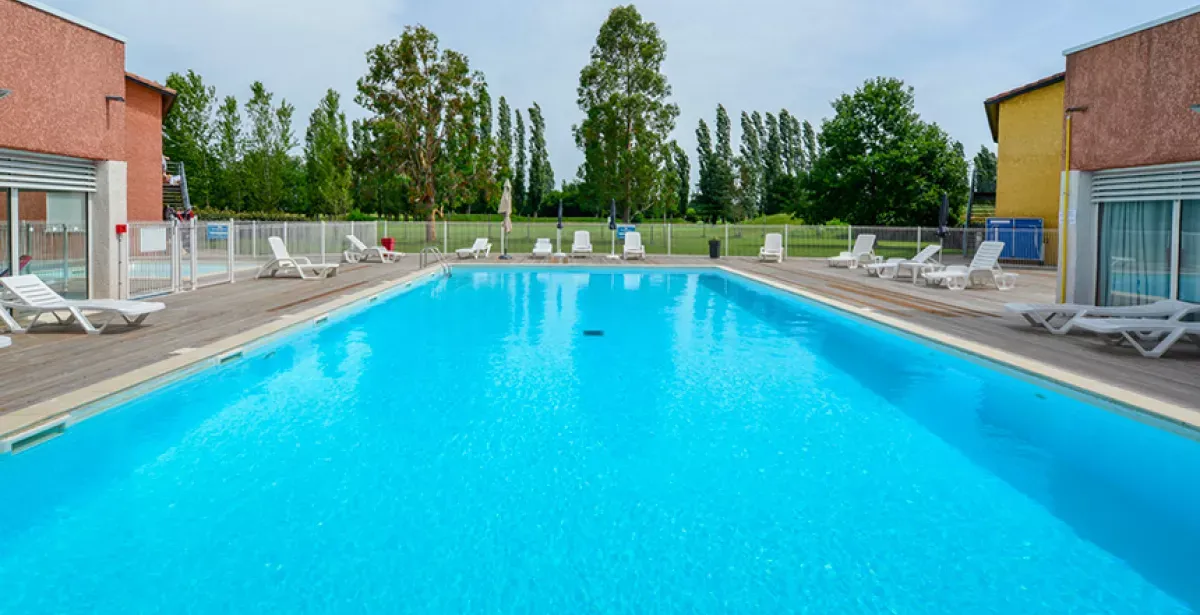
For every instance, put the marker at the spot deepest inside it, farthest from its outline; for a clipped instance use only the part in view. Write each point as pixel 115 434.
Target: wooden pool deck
pixel 51 362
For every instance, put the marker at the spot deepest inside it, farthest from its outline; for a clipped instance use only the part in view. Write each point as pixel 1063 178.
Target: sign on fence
pixel 152 239
pixel 218 232
pixel 624 228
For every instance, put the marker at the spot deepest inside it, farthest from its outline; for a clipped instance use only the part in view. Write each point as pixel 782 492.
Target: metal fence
pixel 168 257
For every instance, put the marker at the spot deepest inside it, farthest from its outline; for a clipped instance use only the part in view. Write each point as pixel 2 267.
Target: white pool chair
pixel 1151 337
pixel 28 294
pixel 359 252
pixel 986 262
pixel 1060 318
pixel 633 246
pixel 582 243
pixel 5 342
pixel 772 248
pixel 299 265
pixel 862 253
pixel 542 248
pixel 481 246
pixel 922 262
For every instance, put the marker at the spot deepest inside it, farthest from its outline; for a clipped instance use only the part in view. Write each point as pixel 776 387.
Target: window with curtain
pixel 1135 252
pixel 1189 252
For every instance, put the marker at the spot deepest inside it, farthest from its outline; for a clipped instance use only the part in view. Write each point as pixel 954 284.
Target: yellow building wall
pixel 1029 155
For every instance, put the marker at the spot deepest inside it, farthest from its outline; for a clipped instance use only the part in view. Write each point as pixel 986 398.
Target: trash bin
pixel 714 248
pixel 388 243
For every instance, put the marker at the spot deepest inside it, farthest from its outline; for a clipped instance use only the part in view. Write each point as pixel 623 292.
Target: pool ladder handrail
pixel 435 255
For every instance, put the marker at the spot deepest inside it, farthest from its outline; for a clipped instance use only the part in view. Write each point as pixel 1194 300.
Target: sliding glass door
pixel 1135 252
pixel 1189 251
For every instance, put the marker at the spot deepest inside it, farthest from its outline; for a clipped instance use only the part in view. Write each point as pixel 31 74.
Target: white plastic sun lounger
pixel 1060 318
pixel 542 248
pixel 1149 336
pixel 5 342
pixel 920 263
pixel 582 243
pixel 300 265
pixel 28 294
pixel 772 248
pixel 863 253
pixel 481 245
pixel 359 252
pixel 633 246
pixel 986 262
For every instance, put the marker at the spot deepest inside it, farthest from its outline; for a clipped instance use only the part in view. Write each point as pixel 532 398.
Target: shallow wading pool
pixel 615 440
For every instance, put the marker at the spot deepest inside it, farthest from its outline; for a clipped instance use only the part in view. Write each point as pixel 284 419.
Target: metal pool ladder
pixel 433 255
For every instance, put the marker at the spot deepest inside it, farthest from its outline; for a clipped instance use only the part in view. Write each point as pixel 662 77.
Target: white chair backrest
pixel 480 244
pixel 927 253
pixel 31 290
pixel 278 249
pixel 864 244
pixel 633 239
pixel 583 238
pixel 987 255
pixel 774 242
pixel 543 241
pixel 358 244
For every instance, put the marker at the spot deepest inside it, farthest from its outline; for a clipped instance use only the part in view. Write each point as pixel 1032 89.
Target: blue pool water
pixel 720 448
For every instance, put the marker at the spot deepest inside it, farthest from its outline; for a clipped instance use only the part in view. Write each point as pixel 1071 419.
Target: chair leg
pixel 1158 350
pixel 10 321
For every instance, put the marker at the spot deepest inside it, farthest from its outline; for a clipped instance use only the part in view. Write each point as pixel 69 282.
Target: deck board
pixel 49 363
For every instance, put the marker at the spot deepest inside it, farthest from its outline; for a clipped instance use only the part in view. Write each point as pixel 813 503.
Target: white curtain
pixel 1135 252
pixel 1189 252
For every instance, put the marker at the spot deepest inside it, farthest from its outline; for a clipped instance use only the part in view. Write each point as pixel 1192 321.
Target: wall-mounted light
pixel 4 93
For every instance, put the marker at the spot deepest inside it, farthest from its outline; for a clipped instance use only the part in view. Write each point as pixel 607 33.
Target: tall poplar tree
pixel 519 188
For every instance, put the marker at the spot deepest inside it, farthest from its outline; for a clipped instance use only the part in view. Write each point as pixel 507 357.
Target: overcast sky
pixel 747 55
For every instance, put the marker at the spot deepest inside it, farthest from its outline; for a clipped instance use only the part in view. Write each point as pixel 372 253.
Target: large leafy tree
pixel 484 165
pixel 376 188
pixel 541 176
pixel 420 97
pixel 229 189
pixel 683 181
pixel 519 188
pixel 269 166
pixel 327 158
pixel 881 164
pixel 714 198
pixel 504 141
pixel 985 170
pixel 188 134
pixel 749 166
pixel 627 116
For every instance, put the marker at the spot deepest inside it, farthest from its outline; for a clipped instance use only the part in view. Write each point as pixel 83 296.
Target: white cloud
pixel 751 55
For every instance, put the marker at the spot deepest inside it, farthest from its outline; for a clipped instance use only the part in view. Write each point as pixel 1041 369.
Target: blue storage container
pixel 1022 237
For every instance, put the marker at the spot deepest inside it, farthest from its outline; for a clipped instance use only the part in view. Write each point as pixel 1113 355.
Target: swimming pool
pixel 571 441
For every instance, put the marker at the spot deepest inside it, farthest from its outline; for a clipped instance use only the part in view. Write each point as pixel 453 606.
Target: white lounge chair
pixel 1060 318
pixel 481 245
pixel 582 243
pixel 1150 336
pixel 5 342
pixel 359 252
pixel 772 248
pixel 633 246
pixel 920 263
pixel 542 248
pixel 986 262
pixel 28 294
pixel 300 265
pixel 862 253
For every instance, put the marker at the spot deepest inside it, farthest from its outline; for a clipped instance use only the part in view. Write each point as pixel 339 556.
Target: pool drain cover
pixel 593 333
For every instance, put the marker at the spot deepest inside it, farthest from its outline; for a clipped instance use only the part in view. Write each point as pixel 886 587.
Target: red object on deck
pixel 388 244
pixel 122 229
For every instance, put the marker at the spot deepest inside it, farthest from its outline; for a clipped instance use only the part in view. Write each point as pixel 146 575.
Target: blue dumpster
pixel 1022 237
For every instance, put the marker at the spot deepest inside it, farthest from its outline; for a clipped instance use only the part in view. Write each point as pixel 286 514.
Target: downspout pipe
pixel 1064 205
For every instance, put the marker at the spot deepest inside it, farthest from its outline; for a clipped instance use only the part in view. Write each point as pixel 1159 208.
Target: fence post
pixel 231 245
pixel 445 234
pixel 195 262
pixel 176 259
pixel 849 237
pixel 253 239
pixel 668 239
pixel 323 239
pixel 384 228
pixel 726 239
pixel 918 239
pixel 785 242
pixel 285 241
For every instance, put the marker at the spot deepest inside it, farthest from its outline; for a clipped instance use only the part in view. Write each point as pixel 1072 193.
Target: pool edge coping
pixel 1140 403
pixel 31 420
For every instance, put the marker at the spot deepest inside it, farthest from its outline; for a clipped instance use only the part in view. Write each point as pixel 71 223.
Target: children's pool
pixel 574 441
